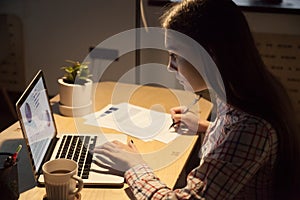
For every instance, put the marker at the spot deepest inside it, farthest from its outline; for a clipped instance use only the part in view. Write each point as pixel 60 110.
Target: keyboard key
pixel 79 149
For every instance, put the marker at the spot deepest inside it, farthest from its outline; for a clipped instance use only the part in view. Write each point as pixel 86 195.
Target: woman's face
pixel 186 73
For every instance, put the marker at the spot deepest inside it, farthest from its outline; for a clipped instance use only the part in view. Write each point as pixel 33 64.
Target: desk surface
pixel 175 154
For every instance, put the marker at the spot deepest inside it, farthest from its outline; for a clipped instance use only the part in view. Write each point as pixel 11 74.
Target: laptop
pixel 43 144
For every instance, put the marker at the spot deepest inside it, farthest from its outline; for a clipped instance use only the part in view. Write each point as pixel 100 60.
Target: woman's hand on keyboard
pixel 122 156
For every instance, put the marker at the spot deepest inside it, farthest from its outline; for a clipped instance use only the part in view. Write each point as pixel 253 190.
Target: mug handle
pixel 80 184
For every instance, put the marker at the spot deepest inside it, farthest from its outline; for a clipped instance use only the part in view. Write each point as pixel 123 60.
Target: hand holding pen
pixel 180 111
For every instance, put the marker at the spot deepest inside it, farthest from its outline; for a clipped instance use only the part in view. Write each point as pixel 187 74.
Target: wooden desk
pixel 174 154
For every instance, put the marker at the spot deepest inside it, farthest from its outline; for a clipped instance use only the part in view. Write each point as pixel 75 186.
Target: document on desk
pixel 135 121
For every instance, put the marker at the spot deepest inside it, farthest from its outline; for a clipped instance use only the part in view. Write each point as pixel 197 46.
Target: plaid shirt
pixel 237 160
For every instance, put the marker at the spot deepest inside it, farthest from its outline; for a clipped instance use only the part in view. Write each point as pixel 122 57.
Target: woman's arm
pixel 146 185
pixel 231 161
pixel 223 172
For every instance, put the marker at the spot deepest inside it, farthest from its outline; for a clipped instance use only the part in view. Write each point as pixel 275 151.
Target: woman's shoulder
pixel 249 123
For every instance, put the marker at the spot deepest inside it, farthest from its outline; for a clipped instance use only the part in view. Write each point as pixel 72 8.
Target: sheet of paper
pixel 102 118
pixel 135 121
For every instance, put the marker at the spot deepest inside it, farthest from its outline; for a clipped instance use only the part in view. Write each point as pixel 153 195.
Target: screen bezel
pixel 20 102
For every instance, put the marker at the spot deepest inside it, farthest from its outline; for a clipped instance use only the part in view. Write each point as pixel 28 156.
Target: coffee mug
pixel 60 179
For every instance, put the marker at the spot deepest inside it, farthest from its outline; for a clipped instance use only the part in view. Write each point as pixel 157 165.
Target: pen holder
pixel 9 183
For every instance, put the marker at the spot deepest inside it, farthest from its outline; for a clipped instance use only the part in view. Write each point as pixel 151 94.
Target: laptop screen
pixel 36 119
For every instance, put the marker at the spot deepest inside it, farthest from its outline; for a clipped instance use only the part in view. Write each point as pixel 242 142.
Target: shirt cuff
pixel 137 173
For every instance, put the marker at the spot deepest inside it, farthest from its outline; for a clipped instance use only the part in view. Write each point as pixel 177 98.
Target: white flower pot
pixel 75 111
pixel 75 97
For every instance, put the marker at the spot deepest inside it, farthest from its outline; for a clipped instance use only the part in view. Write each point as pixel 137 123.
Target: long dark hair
pixel 221 28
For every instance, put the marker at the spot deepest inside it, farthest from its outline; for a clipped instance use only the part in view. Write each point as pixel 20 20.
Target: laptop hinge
pixel 48 153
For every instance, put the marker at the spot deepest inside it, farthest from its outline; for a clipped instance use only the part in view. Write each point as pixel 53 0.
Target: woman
pixel 250 150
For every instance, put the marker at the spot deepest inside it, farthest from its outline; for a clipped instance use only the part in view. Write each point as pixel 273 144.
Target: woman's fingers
pixel 120 156
pixel 176 113
pixel 109 146
pixel 115 147
pixel 177 117
pixel 132 146
pixel 128 147
pixel 177 110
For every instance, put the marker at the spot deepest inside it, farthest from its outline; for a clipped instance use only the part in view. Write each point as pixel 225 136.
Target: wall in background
pixel 55 30
pixel 156 74
pixel 278 40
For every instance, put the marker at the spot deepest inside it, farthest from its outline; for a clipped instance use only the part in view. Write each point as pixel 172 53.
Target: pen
pixel 11 160
pixel 186 110
pixel 15 155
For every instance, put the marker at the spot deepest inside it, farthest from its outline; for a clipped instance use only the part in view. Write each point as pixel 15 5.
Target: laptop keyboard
pixel 77 148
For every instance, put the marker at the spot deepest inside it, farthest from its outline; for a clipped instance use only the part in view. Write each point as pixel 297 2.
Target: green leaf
pixel 76 69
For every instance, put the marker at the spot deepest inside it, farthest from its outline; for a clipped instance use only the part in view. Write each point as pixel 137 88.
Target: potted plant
pixel 75 89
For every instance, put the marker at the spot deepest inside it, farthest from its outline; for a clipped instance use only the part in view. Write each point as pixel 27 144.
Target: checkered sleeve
pixel 146 185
